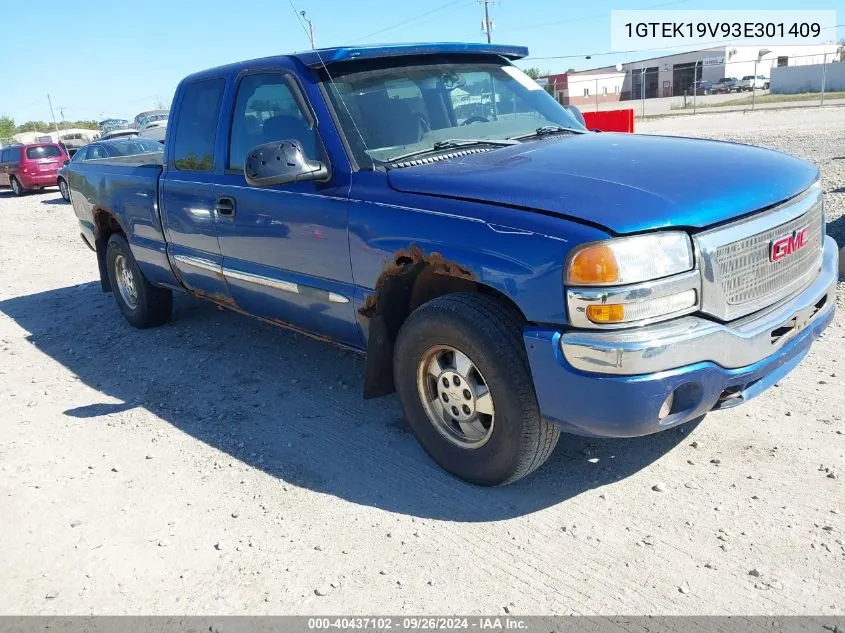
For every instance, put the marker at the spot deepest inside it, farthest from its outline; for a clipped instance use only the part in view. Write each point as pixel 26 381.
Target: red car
pixel 30 166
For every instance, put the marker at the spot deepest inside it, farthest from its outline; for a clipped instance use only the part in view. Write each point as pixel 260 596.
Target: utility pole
pixel 487 25
pixel 56 125
pixel 310 28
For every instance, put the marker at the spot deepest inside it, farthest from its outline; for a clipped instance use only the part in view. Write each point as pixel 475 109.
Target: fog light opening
pixel 666 407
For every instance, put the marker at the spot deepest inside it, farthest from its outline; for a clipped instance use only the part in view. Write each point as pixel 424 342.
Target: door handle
pixel 225 207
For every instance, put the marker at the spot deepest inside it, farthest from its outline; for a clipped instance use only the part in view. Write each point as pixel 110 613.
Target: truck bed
pixel 125 187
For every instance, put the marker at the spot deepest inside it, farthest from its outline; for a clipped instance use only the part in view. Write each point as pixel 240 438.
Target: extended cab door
pixel 187 189
pixel 286 248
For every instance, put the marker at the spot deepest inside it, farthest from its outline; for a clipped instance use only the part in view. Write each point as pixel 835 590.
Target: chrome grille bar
pixel 738 275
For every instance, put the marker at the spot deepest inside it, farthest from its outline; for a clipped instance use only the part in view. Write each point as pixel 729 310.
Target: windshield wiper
pixel 547 130
pixel 453 143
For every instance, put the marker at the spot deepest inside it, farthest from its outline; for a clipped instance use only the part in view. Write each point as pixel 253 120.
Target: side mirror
pixel 280 163
pixel 576 112
pixel 65 163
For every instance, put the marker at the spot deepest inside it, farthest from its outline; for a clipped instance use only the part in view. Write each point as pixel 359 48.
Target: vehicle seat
pixel 388 122
pixel 286 127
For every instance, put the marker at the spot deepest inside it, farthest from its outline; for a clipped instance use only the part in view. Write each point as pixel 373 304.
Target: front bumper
pixel 613 383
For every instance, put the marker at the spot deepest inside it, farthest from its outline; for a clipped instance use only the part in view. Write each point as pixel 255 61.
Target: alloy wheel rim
pixel 125 281
pixel 455 396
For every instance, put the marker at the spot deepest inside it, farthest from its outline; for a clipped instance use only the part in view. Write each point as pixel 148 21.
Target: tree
pixel 33 126
pixel 7 126
pixel 533 72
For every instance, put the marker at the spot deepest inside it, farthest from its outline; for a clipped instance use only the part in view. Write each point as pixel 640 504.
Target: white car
pixel 750 82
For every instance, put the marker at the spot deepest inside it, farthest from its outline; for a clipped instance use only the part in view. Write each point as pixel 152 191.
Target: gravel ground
pixel 218 465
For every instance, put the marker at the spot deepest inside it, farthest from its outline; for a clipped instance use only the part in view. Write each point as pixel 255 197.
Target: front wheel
pixel 64 190
pixel 463 379
pixel 143 304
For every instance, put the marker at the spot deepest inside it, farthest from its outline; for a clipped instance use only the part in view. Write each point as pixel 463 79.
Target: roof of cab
pixel 317 58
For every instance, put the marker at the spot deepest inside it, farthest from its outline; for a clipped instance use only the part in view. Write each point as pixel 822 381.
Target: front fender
pixel 519 253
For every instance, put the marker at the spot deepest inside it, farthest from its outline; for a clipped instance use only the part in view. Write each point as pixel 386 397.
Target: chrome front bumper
pixel 693 339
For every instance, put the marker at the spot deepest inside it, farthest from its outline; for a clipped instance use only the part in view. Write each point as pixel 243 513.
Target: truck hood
pixel 622 182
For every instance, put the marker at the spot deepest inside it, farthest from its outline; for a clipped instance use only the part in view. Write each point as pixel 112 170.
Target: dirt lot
pixel 217 465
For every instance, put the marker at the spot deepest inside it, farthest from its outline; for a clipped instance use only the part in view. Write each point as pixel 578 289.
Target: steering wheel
pixel 476 119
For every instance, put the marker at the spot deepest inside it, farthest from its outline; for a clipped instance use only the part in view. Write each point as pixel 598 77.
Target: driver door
pixel 285 248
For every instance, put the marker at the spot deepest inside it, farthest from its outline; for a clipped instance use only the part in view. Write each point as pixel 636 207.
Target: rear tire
pixel 64 190
pixel 17 187
pixel 143 304
pixel 495 435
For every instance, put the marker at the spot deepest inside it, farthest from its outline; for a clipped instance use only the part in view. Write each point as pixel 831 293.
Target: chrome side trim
pixel 199 262
pixel 690 340
pixel 261 280
pixel 578 299
pixel 336 298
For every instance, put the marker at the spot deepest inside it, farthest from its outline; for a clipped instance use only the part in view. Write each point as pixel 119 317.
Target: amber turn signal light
pixel 594 265
pixel 607 313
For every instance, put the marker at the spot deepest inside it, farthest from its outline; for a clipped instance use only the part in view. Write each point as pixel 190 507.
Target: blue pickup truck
pixel 509 273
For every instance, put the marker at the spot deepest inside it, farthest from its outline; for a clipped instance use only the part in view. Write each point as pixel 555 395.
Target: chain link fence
pixel 660 87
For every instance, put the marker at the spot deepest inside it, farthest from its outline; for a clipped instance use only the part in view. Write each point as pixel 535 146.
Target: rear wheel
pixel 463 379
pixel 64 190
pixel 143 304
pixel 17 188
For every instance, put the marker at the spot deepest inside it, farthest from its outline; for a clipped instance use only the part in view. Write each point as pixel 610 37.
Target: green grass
pixel 769 98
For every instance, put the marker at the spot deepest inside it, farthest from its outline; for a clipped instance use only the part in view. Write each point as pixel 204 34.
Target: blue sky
pixel 119 58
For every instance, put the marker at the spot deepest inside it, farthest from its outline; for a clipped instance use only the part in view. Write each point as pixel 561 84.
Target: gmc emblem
pixel 788 244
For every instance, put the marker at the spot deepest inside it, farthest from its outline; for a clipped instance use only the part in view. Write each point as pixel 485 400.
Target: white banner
pixel 656 28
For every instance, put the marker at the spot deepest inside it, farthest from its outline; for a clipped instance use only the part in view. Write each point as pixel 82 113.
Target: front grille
pixel 739 276
pixel 746 270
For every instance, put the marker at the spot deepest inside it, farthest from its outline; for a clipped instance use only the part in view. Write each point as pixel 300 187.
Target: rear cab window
pixel 196 125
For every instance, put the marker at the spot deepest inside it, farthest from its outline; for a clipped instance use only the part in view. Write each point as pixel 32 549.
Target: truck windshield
pixel 397 110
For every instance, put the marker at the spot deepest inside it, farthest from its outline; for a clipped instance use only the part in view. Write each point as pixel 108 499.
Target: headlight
pixel 630 260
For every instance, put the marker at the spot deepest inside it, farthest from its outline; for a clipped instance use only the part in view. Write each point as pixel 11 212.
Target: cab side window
pixel 14 155
pixel 196 125
pixel 4 156
pixel 267 110
pixel 81 154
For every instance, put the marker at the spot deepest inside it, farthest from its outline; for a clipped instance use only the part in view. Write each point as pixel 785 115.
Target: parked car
pixel 750 82
pixel 108 148
pixel 509 277
pixel 701 87
pixel 31 166
pixel 118 134
pixel 727 84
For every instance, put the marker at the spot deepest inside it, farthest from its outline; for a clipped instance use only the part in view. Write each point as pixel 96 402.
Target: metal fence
pixel 655 88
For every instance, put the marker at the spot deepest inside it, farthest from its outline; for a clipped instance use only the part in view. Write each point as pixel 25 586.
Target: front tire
pixel 143 304
pixel 463 379
pixel 64 190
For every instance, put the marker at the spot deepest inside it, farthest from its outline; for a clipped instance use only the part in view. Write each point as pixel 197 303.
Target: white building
pixel 670 75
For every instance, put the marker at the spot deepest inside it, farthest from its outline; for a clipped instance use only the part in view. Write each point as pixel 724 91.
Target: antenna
pixel 334 85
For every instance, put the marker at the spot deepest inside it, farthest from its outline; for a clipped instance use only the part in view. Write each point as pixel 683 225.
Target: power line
pixel 409 20
pixel 593 17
